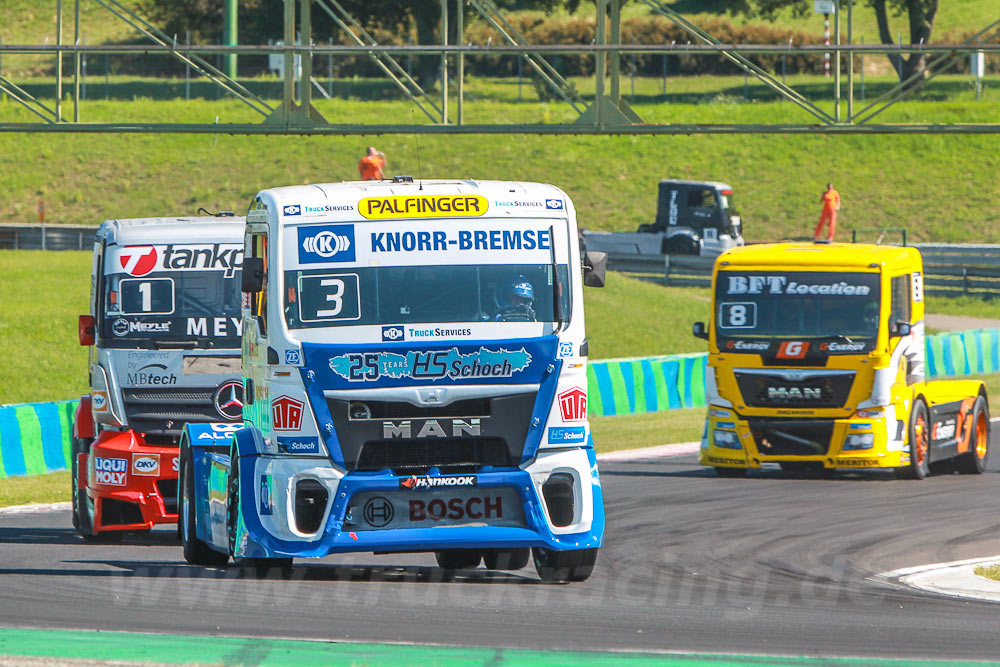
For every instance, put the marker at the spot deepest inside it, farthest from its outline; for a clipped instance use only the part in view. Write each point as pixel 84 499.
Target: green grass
pixel 41 295
pixel 51 488
pixel 942 188
pixel 988 571
pixel 647 430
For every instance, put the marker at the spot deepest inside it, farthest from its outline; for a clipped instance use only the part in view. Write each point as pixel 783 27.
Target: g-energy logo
pixel 423 206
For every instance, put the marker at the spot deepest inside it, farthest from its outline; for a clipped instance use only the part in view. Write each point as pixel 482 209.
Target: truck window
pixel 258 300
pixel 701 198
pixel 900 304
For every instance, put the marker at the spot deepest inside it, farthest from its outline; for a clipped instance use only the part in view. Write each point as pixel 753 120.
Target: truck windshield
pixel 424 294
pixel 807 304
pixel 199 306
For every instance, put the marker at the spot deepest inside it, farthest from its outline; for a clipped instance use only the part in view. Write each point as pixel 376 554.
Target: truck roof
pixel 710 184
pixel 193 229
pixel 340 200
pixel 825 255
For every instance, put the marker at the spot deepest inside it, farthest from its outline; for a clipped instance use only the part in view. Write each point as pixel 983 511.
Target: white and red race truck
pixel 164 335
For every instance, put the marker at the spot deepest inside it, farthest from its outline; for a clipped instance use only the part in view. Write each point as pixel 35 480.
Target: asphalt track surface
pixel 771 564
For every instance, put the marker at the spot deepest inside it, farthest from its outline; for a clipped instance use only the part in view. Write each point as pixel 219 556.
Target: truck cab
pixel 816 362
pixel 163 330
pixel 414 357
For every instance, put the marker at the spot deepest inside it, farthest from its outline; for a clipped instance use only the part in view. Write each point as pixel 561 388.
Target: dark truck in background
pixel 692 218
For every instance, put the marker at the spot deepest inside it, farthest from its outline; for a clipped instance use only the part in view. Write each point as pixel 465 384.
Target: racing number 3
pixel 363 366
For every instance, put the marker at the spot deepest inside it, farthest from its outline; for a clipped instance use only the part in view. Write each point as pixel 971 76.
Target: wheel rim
pixel 920 440
pixel 982 442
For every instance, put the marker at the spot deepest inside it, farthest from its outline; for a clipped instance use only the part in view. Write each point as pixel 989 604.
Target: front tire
pixel 506 559
pixel 257 567
pixel 458 559
pixel 973 462
pixel 564 566
pixel 919 441
pixel 730 472
pixel 79 446
pixel 196 552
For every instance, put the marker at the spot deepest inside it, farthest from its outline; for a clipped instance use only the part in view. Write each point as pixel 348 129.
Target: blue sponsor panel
pixel 298 445
pixel 325 244
pixel 516 361
pixel 211 435
pixel 565 435
pixel 462 239
pixel 392 334
pixel 292 357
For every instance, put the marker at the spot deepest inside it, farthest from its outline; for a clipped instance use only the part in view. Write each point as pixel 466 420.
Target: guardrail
pixel 56 237
pixel 949 269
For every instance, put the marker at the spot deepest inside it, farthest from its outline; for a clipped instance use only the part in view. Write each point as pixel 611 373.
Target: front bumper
pixel 130 485
pixel 749 445
pixel 267 526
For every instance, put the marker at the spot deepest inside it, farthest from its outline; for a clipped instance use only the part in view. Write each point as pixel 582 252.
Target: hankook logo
pixel 432 428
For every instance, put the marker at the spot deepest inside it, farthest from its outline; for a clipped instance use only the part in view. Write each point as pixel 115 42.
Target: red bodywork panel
pixel 133 485
pixel 83 424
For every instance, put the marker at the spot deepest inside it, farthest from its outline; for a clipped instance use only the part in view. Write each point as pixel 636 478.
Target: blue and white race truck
pixel 414 362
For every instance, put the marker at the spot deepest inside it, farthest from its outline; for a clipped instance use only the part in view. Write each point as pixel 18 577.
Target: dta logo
pixel 286 414
pixel 573 405
pixel 554 204
pixel 292 209
pixel 329 243
pixel 147 465
pixel 390 334
pixel 138 260
pixel 229 400
pixel 292 357
pixel 110 472
pixel 793 349
pixel 378 512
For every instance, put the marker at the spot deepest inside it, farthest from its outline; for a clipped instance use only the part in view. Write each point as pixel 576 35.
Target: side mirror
pixel 253 274
pixel 85 330
pixel 699 330
pixel 901 328
pixel 595 268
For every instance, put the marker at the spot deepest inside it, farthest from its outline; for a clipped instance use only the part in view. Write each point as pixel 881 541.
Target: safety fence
pixel 949 269
pixel 35 437
pixel 51 237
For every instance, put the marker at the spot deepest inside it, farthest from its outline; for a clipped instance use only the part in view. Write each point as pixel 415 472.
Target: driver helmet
pixel 521 292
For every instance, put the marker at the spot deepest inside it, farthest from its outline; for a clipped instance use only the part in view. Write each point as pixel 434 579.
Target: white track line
pixel 36 509
pixel 955 579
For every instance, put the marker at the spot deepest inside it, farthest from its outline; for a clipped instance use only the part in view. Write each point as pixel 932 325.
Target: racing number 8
pixel 738 315
pixel 336 297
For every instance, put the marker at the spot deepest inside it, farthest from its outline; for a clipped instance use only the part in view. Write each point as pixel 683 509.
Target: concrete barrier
pixel 35 437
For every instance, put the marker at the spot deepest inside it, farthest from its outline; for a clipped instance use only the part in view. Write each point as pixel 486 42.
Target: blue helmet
pixel 522 289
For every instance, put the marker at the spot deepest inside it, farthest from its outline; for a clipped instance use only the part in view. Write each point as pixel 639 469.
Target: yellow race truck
pixel 816 362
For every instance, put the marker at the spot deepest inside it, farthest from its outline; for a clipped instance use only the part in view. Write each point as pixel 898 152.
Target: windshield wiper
pixel 556 300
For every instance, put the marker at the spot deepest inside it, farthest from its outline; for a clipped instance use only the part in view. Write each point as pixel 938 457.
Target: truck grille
pixel 786 437
pixel 165 411
pixel 765 388
pixel 408 439
pixel 452 456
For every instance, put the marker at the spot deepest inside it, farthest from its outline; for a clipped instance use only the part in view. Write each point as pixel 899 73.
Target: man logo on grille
pixel 378 512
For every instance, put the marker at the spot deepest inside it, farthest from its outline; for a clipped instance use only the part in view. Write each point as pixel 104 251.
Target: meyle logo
pixel 138 260
pixel 292 209
pixel 122 327
pixel 110 472
pixel 392 334
pixel 146 464
pixel 573 405
pixel 554 204
pixel 417 483
pixel 329 243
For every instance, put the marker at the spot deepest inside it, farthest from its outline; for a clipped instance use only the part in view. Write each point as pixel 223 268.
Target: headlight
pixel 870 414
pixel 727 440
pixel 860 441
pixel 718 412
